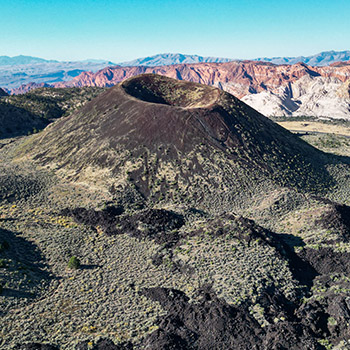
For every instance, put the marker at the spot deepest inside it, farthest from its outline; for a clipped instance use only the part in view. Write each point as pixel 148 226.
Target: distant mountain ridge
pixel 21 59
pixel 167 59
pixel 321 59
pixel 24 60
pixel 22 70
pixel 324 58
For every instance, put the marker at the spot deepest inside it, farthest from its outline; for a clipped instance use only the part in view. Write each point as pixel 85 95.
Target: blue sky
pixel 123 30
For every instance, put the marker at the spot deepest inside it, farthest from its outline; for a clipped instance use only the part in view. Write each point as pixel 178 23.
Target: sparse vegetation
pixel 162 229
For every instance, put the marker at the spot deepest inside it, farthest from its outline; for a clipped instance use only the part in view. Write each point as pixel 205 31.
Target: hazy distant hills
pixel 321 59
pixel 16 60
pixel 19 70
pixel 21 59
pixel 167 59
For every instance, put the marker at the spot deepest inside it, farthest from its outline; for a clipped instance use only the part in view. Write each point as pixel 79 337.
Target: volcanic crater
pixel 149 88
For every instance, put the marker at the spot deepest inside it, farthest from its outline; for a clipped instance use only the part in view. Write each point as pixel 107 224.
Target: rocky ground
pixel 131 283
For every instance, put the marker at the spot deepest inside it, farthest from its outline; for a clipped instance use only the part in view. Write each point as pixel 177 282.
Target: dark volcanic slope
pixel 23 114
pixel 3 92
pixel 165 136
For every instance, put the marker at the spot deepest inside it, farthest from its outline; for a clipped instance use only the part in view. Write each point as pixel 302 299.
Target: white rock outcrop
pixel 308 96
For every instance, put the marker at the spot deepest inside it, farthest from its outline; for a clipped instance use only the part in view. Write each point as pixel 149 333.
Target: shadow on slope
pixel 15 121
pixel 23 114
pixel 24 272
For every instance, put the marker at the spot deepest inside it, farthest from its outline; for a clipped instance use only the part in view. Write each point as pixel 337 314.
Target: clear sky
pixel 123 30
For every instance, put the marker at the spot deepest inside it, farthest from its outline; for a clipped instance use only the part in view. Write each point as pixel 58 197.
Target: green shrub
pixel 74 263
pixel 1 288
pixel 332 321
pixel 2 263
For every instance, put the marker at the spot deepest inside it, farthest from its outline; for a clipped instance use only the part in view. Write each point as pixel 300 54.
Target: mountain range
pixel 324 58
pixel 273 89
pixel 18 70
pixel 167 59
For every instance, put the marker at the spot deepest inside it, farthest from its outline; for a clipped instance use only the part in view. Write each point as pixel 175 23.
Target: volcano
pixel 168 138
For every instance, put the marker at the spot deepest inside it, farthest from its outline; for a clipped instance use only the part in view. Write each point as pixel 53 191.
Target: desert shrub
pixel 74 263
